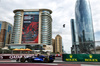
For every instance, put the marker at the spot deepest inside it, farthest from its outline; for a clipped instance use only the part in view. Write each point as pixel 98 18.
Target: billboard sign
pixel 30 27
pixel 81 57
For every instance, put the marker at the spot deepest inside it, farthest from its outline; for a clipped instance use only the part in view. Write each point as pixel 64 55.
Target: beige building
pixel 32 26
pixel 53 44
pixel 58 44
pixel 5 33
pixel 97 50
pixel 48 48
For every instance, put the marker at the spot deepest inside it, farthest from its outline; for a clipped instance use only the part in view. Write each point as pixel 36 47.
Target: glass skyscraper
pixel 75 45
pixel 84 26
pixel 73 30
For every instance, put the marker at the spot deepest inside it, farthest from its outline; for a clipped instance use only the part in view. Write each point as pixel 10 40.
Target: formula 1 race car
pixel 40 58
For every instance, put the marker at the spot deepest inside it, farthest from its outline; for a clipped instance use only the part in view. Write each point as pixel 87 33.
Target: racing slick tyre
pixel 46 60
pixel 22 60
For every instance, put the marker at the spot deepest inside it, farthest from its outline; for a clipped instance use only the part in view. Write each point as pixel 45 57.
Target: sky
pixel 63 11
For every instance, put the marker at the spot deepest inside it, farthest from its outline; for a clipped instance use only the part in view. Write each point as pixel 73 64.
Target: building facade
pixel 97 50
pixel 32 26
pixel 53 44
pixel 84 26
pixel 58 44
pixel 5 33
pixel 75 45
pixel 48 48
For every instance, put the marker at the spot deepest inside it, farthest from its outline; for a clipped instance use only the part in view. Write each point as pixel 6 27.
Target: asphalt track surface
pixel 57 62
pixel 42 64
pixel 31 64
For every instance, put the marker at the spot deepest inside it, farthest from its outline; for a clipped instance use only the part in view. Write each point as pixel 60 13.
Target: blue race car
pixel 41 58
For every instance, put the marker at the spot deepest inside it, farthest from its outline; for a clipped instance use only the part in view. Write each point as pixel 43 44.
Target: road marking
pixel 26 64
pixel 69 64
pixel 88 65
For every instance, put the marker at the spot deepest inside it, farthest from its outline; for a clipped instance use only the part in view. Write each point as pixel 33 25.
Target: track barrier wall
pixel 81 57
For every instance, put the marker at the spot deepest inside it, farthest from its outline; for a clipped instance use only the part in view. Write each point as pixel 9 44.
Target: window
pixel 18 12
pixel 46 12
pixel 0 26
pixel 31 12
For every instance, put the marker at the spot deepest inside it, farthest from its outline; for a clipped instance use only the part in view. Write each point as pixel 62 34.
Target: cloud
pixel 63 11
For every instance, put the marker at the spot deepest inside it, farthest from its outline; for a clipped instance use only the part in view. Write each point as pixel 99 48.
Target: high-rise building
pixel 5 33
pixel 32 27
pixel 84 26
pixel 58 44
pixel 73 30
pixel 53 44
pixel 75 45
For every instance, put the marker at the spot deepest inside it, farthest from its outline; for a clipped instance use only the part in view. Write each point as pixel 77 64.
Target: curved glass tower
pixel 84 26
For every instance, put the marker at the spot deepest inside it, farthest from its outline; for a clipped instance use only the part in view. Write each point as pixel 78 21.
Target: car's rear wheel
pixel 22 60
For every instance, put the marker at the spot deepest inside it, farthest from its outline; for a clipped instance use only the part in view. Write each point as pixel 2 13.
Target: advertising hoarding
pixel 81 57
pixel 30 28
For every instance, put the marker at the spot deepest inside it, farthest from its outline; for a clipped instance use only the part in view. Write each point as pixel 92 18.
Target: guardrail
pixel 14 56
